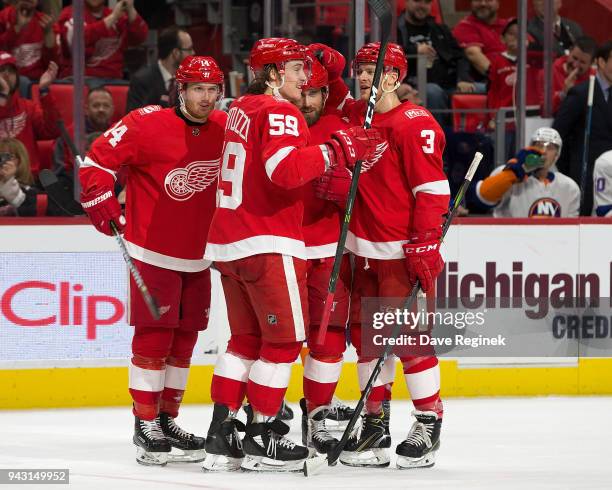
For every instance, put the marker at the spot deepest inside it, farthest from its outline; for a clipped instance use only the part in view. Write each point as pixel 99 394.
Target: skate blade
pixel 187 456
pixel 258 463
pixel 149 458
pixel 371 458
pixel 219 462
pixel 406 463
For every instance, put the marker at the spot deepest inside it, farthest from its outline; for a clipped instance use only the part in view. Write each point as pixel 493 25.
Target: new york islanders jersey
pixel 265 164
pixel 556 196
pixel 602 185
pixel 322 218
pixel 173 166
pixel 402 189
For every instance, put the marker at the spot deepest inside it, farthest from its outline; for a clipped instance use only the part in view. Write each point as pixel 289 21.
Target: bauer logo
pixel 182 183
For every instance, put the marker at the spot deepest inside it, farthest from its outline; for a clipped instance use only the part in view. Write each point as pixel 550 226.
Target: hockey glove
pixel 423 259
pixel 102 207
pixel 334 185
pixel 331 60
pixel 527 161
pixel 352 144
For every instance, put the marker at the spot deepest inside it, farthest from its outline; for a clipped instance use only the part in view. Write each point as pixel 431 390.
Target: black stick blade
pixel 382 10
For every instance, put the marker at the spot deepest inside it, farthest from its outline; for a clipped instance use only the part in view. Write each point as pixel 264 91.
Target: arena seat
pixel 469 122
pixel 63 95
pixel 45 153
pixel 119 93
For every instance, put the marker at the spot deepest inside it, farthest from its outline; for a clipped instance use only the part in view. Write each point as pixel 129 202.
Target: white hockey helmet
pixel 547 136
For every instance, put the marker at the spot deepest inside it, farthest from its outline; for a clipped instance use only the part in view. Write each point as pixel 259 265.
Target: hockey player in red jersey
pixel 394 234
pixel 173 160
pixel 323 202
pixel 256 241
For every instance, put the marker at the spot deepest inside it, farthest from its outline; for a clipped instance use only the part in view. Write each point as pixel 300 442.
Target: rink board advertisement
pixel 64 304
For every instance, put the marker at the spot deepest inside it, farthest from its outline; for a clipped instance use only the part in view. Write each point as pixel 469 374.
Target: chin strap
pixel 275 89
pixel 384 91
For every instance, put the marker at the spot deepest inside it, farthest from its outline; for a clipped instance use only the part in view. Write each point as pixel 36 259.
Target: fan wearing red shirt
pixel 107 35
pixel 394 234
pixel 172 156
pixel 502 74
pixel 25 119
pixel 28 35
pixel 479 34
pixel 257 243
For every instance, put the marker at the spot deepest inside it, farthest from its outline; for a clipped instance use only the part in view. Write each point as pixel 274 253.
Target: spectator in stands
pixel 570 122
pixel 18 197
pixel 569 70
pixel 448 69
pixel 24 119
pixel 107 35
pixel 154 85
pixel 565 31
pixel 528 186
pixel 479 34
pixel 502 73
pixel 28 35
pixel 99 109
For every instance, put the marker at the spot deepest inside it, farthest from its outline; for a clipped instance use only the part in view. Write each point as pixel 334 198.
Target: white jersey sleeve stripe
pixel 274 160
pixel 88 162
pixel 439 187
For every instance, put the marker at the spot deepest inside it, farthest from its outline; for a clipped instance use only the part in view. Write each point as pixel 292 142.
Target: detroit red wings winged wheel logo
pixel 182 183
pixel 378 153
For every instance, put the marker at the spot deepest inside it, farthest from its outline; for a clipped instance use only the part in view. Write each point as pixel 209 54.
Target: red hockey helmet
pixel 318 75
pixel 7 59
pixel 275 50
pixel 394 58
pixel 199 69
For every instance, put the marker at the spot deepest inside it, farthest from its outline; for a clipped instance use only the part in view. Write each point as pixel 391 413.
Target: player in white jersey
pixel 528 186
pixel 602 185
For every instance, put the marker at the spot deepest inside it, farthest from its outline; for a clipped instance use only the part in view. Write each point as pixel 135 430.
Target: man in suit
pixel 565 31
pixel 571 119
pixel 154 85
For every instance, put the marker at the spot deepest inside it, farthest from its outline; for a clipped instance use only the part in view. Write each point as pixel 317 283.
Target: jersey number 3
pixel 429 136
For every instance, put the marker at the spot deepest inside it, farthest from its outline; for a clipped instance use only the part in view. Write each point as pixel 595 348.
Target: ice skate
pixel 152 448
pixel 223 444
pixel 266 448
pixel 338 416
pixel 368 447
pixel 190 447
pixel 315 435
pixel 423 440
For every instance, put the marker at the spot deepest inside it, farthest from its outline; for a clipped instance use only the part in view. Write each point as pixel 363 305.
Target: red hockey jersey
pixel 559 74
pixel 265 165
pixel 27 46
pixel 173 168
pixel 402 189
pixel 322 218
pixel 104 47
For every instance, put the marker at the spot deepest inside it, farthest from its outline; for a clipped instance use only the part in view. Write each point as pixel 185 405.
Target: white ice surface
pixel 517 443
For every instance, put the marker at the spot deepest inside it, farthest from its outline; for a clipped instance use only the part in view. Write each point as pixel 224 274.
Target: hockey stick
pixel 313 465
pixel 382 11
pixel 585 149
